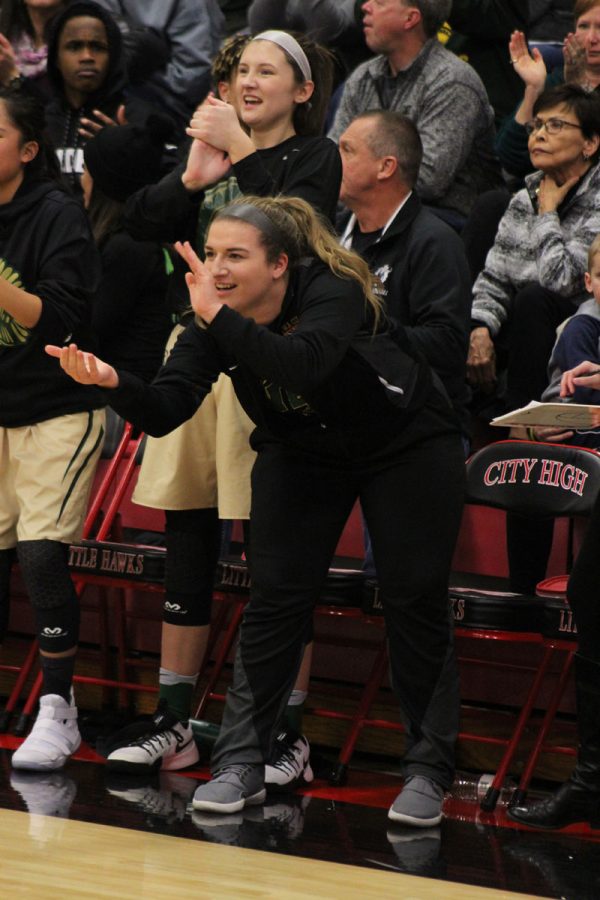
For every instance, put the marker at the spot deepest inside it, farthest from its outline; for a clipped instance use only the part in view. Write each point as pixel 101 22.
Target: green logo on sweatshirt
pixel 11 333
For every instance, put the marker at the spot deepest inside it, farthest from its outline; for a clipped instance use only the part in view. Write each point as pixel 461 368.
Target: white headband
pixel 291 46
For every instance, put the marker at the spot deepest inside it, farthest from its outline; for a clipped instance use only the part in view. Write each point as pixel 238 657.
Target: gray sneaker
pixel 419 804
pixel 232 788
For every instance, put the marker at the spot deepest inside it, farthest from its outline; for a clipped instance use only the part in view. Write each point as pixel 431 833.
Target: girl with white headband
pixel 280 90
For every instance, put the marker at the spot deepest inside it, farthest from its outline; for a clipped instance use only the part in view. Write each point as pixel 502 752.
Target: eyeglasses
pixel 552 126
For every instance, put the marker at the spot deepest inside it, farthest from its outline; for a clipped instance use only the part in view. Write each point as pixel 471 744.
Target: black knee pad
pixel 58 628
pixel 192 541
pixel 7 558
pixel 51 592
pixel 188 609
pixel 192 538
pixel 45 573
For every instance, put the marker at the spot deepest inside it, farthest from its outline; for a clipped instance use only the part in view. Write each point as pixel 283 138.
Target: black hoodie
pixel 63 120
pixel 46 248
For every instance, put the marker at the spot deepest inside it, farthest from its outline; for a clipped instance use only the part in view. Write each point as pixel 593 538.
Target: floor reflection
pixel 468 847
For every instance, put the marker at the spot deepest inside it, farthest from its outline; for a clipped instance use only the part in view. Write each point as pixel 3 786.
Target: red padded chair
pixel 538 480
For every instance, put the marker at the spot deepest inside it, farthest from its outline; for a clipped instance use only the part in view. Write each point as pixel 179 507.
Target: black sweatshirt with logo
pixel 47 249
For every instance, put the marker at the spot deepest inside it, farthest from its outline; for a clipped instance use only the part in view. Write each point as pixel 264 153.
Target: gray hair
pixel 394 134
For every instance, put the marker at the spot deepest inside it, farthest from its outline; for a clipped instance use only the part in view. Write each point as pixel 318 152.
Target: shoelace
pixel 161 738
pixel 287 762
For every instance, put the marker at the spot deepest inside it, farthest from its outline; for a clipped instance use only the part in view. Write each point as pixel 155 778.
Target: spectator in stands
pixel 343 410
pixel 579 340
pixel 193 30
pixel 534 274
pixel 414 74
pixel 280 150
pixel 131 320
pixel 581 66
pixel 51 431
pixel 85 68
pixel 23 40
pixel 578 799
pixel 418 259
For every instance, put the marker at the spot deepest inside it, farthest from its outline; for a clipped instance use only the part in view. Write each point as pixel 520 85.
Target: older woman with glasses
pixel 533 276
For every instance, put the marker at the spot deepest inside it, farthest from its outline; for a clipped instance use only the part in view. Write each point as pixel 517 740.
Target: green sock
pixel 178 691
pixel 292 717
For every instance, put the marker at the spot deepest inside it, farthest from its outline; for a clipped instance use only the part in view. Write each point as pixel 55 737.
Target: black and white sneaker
pixel 289 767
pixel 168 744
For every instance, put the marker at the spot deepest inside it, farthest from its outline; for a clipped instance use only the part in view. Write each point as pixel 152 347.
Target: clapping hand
pixel 530 67
pixel 574 59
pixel 205 165
pixel 216 123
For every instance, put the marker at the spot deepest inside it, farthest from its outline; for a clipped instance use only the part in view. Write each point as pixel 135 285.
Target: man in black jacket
pixel 419 260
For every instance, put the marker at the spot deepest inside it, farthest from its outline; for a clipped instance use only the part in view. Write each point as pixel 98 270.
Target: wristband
pixel 531 434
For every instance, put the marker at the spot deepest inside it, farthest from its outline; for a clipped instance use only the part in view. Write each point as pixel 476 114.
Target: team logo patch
pixel 11 333
pixel 173 607
pixel 383 273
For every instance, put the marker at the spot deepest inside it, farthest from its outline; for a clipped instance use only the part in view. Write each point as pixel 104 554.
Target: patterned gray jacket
pixel 550 250
pixel 447 101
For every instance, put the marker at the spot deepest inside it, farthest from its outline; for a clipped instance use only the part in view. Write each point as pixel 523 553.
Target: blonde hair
pixel 296 229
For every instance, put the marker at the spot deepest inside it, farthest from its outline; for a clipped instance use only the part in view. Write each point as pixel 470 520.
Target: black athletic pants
pixel 412 496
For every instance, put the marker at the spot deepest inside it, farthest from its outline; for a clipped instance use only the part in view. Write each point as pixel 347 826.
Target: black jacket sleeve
pixel 68 273
pixel 326 313
pixel 438 288
pixel 164 211
pixel 177 391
